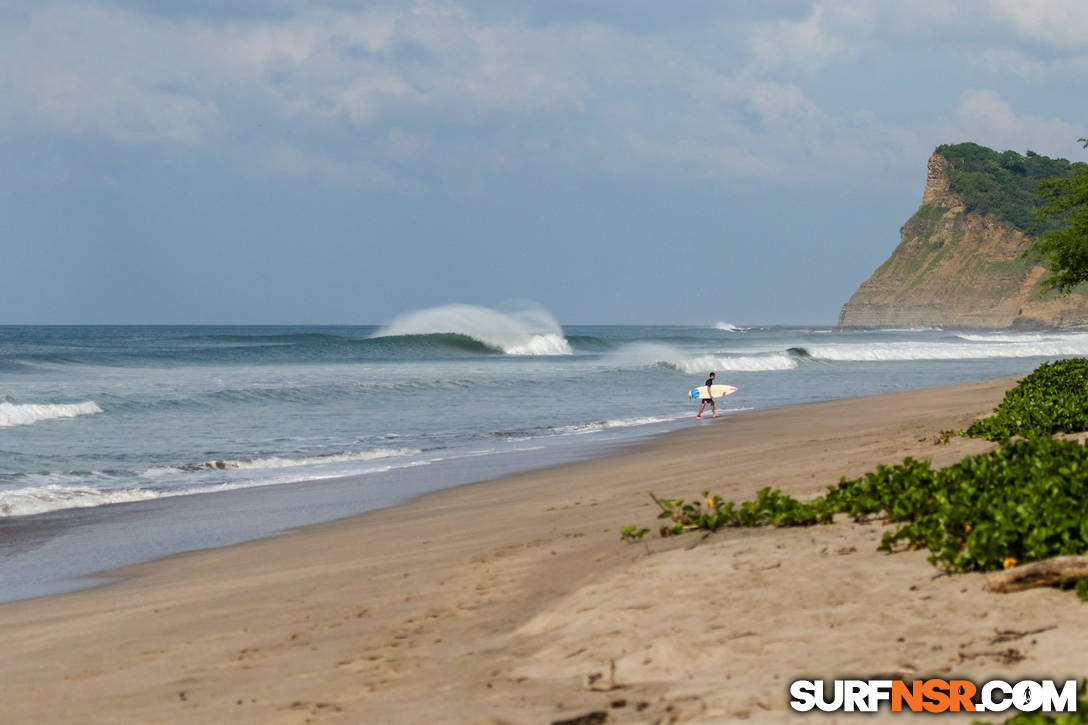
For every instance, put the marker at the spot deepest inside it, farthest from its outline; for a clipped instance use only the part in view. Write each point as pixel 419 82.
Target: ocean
pixel 120 444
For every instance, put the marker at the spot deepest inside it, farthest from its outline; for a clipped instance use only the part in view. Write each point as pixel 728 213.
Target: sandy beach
pixel 515 601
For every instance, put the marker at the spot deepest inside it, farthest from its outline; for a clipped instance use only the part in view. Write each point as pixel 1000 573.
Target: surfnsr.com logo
pixel 933 696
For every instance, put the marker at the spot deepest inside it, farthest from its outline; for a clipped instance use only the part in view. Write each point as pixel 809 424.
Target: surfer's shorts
pixel 707 400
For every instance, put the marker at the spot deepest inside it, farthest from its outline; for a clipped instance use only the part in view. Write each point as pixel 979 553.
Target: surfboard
pixel 716 391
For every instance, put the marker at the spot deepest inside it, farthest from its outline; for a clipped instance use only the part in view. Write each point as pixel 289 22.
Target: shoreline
pixel 84 543
pixel 76 545
pixel 497 599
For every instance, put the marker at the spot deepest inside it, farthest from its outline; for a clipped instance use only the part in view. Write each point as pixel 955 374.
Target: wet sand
pixel 515 601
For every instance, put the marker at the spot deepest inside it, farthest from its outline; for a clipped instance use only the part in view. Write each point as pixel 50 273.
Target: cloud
pixel 85 70
pixel 802 45
pixel 405 96
pixel 985 117
pixel 1041 31
pixel 1060 24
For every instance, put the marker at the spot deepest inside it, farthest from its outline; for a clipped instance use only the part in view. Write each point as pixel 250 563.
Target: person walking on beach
pixel 708 399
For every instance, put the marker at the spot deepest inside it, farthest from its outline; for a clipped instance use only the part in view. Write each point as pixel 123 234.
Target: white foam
pixel 885 351
pixel 727 327
pixel 735 363
pixel 1023 337
pixel 12 414
pixel 53 497
pixel 654 353
pixel 600 425
pixel 527 332
pixel 541 345
pixel 277 462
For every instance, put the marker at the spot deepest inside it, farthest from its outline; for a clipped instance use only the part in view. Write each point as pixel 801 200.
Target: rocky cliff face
pixel 956 269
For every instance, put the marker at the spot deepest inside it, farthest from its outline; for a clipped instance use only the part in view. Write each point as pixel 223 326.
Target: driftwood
pixel 1039 574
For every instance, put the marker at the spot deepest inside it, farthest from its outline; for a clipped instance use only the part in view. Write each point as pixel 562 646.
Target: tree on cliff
pixel 1066 248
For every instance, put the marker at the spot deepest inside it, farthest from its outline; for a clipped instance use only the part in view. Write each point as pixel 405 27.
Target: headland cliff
pixel 963 259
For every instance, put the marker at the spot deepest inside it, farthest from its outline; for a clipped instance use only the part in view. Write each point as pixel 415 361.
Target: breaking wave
pixel 733 363
pixel 12 414
pixel 668 357
pixel 527 332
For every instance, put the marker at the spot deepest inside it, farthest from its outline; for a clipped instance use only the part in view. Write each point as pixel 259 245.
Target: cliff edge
pixel 956 266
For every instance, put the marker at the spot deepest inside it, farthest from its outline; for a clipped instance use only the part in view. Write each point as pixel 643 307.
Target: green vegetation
pixel 927 213
pixel 1064 242
pixel 1005 184
pixel 712 513
pixel 1023 502
pixel 1026 501
pixel 1052 399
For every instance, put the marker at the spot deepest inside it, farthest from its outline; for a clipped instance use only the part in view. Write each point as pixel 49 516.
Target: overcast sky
pixel 290 161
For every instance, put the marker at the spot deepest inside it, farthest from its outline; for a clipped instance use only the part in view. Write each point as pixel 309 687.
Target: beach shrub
pixel 1052 399
pixel 1024 502
pixel 710 513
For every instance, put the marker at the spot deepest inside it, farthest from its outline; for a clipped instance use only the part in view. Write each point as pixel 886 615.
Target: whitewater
pixel 176 438
pixel 97 416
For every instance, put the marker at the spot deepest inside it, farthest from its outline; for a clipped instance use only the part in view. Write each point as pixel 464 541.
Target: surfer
pixel 708 399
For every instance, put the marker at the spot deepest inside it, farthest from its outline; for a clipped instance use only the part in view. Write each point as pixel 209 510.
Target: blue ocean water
pixel 91 416
pixel 123 444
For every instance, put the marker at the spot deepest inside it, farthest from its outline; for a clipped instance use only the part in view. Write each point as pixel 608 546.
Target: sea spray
pixel 526 332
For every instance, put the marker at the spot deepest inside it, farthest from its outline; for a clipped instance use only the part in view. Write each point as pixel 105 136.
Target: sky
pixel 336 162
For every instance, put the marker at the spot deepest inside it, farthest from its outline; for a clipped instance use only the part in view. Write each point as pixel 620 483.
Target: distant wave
pixel 258 394
pixel 527 332
pixel 292 338
pixel 1064 337
pixel 588 343
pixel 978 350
pixel 728 327
pixel 36 361
pixel 12 414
